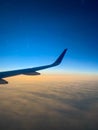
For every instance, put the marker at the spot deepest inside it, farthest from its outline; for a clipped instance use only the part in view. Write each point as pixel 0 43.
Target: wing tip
pixel 60 58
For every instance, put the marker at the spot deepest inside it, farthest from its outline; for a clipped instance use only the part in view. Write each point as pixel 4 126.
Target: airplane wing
pixel 32 71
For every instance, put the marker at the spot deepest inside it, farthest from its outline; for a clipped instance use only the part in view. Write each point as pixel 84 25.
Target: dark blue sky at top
pixel 34 32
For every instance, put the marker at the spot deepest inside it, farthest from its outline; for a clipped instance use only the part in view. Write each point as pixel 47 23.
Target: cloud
pixel 50 104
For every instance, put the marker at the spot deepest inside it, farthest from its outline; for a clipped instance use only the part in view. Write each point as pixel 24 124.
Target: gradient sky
pixel 35 32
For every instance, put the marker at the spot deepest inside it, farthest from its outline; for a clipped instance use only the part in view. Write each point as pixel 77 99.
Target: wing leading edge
pixel 32 71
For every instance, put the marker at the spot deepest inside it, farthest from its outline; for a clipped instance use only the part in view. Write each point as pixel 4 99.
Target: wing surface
pixel 32 70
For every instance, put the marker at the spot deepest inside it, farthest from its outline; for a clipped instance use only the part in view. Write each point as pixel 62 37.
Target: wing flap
pixel 32 73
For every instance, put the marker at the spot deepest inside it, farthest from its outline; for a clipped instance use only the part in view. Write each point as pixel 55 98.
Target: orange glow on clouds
pixel 47 78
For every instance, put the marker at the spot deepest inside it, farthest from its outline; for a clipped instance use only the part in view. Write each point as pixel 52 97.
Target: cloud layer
pixel 49 102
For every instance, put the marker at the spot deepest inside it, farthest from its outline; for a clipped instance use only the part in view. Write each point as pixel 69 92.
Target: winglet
pixel 59 59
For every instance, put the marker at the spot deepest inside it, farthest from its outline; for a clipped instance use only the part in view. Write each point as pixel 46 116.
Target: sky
pixel 34 33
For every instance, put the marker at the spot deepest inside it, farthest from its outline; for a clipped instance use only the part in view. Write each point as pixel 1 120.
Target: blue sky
pixel 34 33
